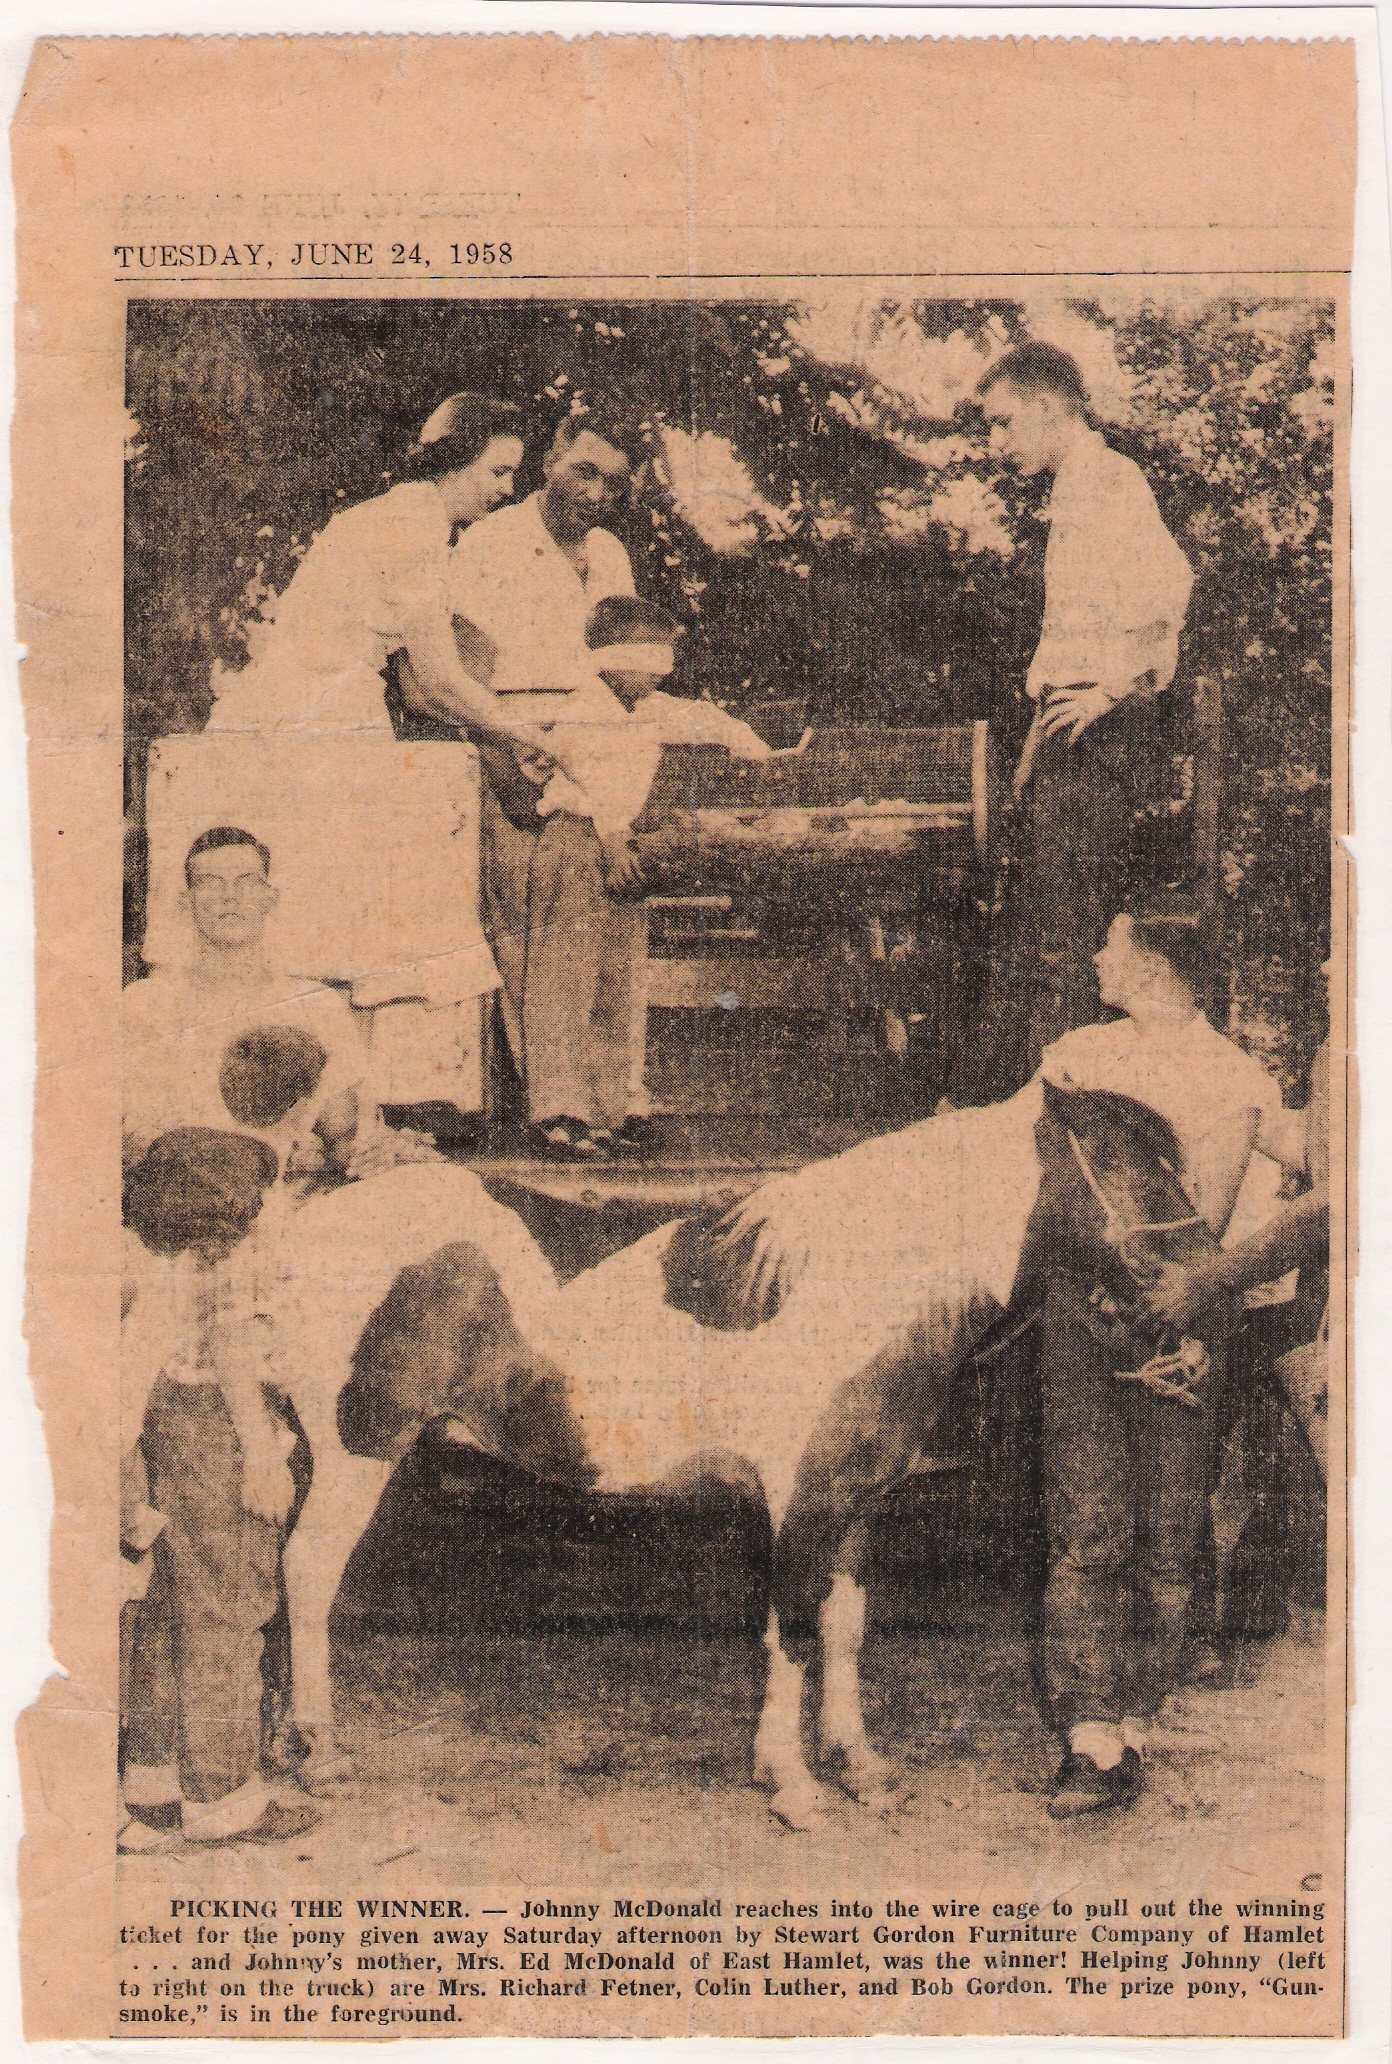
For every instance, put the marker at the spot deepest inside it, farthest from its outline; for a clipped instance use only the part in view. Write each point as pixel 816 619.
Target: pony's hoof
pixel 801 1807
pixel 323 1766
pixel 865 1777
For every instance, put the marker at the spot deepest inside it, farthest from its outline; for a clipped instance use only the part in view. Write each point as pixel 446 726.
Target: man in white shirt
pixel 1116 588
pixel 523 585
pixel 178 1024
pixel 1128 1471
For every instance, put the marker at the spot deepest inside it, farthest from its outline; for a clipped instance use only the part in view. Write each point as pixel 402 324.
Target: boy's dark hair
pixel 224 835
pixel 625 437
pixel 471 422
pixel 1038 369
pixel 267 1071
pixel 195 1184
pixel 1176 935
pixel 629 620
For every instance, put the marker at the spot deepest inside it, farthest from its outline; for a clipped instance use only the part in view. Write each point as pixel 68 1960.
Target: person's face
pixel 585 485
pixel 1026 429
pixel 230 896
pixel 486 484
pixel 1123 970
pixel 630 687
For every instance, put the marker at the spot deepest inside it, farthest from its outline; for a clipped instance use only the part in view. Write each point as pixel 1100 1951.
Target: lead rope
pixel 1173 1376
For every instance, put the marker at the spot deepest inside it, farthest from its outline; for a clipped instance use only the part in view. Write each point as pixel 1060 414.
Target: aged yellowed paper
pixel 689 1279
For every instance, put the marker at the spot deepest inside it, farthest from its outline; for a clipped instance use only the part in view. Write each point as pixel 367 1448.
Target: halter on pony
pixel 1166 1375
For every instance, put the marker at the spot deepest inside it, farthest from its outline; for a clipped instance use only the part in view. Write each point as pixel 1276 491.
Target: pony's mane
pixel 1154 1134
pixel 708 1280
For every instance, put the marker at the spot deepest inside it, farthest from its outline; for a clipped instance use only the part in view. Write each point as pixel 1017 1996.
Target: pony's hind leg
pixel 795 1796
pixel 342 1499
pixel 845 1746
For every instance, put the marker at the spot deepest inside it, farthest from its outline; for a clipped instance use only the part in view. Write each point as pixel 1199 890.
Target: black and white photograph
pixel 726 1124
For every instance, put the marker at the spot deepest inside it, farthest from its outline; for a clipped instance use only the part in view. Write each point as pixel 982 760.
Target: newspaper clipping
pixel 688 1279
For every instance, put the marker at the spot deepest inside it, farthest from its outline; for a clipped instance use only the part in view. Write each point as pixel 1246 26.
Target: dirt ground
pixel 605 1759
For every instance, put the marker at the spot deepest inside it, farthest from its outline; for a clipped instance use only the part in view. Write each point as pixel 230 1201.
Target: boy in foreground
pixel 1128 1471
pixel 202 1208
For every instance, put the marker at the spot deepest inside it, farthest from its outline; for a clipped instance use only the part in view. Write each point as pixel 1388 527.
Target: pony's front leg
pixel 797 1799
pixel 345 1493
pixel 845 1746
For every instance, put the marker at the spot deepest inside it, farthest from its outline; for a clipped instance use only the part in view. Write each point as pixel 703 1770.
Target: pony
pixel 802 1346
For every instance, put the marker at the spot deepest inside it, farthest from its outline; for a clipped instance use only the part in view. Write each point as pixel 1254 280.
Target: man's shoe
pixel 1081 1787
pixel 1131 1770
pixel 566 1139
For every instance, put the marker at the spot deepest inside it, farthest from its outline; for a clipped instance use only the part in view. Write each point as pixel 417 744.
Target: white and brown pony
pixel 803 1347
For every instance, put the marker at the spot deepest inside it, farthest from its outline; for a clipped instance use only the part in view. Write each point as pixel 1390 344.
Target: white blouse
pixel 373 574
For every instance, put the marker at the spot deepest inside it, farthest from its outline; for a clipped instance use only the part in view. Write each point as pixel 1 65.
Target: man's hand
pixel 268 1489
pixel 1180 1296
pixel 1073 709
pixel 622 874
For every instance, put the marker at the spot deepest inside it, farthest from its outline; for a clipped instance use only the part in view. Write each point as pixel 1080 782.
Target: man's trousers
pixel 570 957
pixel 1127 1475
pixel 1073 850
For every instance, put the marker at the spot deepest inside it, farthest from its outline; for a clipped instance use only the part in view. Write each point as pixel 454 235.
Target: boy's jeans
pixel 1127 1476
pixel 195 1689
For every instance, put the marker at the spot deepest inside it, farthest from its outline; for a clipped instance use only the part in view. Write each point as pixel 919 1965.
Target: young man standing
pixel 1127 1470
pixel 1116 588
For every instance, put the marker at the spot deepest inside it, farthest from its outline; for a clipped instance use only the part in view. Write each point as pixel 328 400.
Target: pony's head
pixel 1114 1203
pixel 443 1343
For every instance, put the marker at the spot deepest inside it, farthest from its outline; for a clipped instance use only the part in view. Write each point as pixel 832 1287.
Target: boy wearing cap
pixel 568 930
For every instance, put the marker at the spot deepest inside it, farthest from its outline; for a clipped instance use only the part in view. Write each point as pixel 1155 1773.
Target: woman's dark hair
pixel 1038 369
pixel 460 431
pixel 1178 938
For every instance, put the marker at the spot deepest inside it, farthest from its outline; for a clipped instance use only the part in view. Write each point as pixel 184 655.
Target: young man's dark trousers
pixel 1072 854
pixel 1127 1476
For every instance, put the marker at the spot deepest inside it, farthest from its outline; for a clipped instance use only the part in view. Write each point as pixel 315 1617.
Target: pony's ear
pixel 1059 1102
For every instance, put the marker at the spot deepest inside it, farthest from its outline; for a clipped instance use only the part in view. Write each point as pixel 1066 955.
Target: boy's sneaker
pixel 151 1830
pixel 1081 1787
pixel 276 1822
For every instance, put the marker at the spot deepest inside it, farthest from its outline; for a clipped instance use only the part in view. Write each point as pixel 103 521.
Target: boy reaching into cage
pixel 565 919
